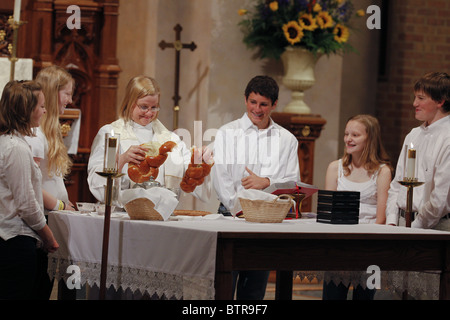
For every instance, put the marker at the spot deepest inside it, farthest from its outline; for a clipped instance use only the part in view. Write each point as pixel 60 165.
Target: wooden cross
pixel 178 47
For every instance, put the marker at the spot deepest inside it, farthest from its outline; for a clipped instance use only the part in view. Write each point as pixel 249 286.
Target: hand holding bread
pixel 197 170
pixel 155 156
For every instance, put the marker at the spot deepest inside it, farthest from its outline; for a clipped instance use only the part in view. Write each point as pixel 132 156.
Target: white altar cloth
pixel 23 70
pixel 174 258
pixel 72 138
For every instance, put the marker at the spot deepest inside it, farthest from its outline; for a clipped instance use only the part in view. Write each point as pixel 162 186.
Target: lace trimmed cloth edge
pixel 159 283
pixel 419 285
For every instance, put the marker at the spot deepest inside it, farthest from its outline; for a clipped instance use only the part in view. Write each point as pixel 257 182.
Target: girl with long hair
pixel 364 167
pixel 50 154
pixel 48 147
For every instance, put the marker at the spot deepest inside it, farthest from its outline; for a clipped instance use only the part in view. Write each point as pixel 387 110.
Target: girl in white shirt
pixel 138 124
pixel 22 220
pixel 50 154
pixel 47 146
pixel 365 167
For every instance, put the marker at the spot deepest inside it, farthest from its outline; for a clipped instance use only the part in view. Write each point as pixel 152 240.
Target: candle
pixel 411 163
pixel 111 164
pixel 17 6
pixel 111 152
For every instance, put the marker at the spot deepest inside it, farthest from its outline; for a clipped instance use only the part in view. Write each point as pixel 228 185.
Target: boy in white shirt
pixel 253 152
pixel 431 140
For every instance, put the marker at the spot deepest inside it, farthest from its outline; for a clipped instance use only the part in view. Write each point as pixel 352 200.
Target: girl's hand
pixel 134 154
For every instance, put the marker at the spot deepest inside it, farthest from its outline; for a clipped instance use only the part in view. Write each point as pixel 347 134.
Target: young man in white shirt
pixel 253 152
pixel 431 140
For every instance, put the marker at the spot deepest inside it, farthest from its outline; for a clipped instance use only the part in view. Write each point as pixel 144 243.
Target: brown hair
pixel 437 86
pixel 374 153
pixel 18 101
pixel 137 88
pixel 263 85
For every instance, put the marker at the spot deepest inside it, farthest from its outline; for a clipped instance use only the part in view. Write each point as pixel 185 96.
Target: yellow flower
pixel 273 5
pixel 317 8
pixel 324 20
pixel 360 13
pixel 307 22
pixel 341 33
pixel 293 32
pixel 242 12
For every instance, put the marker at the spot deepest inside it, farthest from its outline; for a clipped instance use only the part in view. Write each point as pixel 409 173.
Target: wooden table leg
pixel 444 287
pixel 223 282
pixel 224 286
pixel 444 290
pixel 284 282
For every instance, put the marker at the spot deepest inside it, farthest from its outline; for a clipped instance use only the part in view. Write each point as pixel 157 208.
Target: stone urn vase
pixel 299 67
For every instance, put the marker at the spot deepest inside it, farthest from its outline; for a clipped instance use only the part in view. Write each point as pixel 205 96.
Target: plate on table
pixel 192 213
pixel 85 207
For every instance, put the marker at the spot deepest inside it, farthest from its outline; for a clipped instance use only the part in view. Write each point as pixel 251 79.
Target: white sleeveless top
pixel 368 193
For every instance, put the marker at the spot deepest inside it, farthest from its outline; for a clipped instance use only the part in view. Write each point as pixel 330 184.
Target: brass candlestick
pixel 15 25
pixel 410 184
pixel 109 175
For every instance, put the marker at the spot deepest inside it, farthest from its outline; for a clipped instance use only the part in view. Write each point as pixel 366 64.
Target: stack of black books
pixel 338 207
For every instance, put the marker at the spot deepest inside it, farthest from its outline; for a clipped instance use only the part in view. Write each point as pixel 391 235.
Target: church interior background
pixel 119 39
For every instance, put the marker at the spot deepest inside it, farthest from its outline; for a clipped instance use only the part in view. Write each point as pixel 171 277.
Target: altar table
pixel 193 258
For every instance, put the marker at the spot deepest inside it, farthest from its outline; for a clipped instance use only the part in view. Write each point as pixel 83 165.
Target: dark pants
pixel 44 285
pixel 333 292
pixel 249 285
pixel 18 267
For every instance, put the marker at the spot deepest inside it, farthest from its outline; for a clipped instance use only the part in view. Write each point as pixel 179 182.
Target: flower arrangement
pixel 320 26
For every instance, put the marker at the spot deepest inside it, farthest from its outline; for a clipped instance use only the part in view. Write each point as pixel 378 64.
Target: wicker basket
pixel 142 209
pixel 266 211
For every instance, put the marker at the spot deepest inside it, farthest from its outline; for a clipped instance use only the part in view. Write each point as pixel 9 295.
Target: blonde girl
pixel 48 147
pixel 364 167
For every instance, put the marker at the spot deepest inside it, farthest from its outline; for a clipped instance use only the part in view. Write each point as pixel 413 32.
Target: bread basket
pixel 142 209
pixel 266 211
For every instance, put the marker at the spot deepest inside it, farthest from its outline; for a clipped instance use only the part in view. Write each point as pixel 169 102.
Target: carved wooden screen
pixel 307 129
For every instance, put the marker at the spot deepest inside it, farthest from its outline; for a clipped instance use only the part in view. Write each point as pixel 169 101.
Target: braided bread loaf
pixel 154 158
pixel 195 174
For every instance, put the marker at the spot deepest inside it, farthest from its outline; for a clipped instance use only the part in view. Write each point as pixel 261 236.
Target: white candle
pixel 17 6
pixel 111 153
pixel 411 164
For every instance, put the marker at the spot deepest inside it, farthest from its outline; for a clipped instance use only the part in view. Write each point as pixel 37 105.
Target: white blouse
pixel 53 184
pixel 368 193
pixel 21 203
